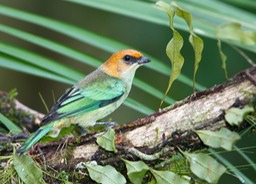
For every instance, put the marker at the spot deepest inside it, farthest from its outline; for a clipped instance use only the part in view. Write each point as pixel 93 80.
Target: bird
pixel 92 98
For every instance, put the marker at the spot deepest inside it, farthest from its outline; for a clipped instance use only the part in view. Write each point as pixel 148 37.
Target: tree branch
pixel 158 135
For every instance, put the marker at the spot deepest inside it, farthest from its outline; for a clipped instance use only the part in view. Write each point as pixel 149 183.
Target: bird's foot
pixel 98 127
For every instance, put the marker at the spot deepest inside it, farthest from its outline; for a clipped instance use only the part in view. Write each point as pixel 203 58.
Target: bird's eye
pixel 127 58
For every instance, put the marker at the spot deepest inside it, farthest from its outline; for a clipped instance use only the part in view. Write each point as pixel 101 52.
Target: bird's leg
pixel 100 126
pixel 108 124
pixel 81 130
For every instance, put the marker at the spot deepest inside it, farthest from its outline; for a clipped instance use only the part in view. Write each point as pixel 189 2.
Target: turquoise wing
pixel 79 100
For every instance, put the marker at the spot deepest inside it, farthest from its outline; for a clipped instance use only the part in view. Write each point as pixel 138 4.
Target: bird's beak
pixel 143 60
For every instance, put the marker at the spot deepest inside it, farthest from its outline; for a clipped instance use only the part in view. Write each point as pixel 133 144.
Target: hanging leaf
pixel 168 177
pixel 196 42
pixel 173 48
pixel 27 170
pixel 235 116
pixel 205 167
pixel 107 140
pixel 234 31
pixel 136 170
pixel 223 58
pixel 223 138
pixel 105 175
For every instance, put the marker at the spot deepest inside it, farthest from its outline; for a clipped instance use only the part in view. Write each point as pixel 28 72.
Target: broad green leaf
pixel 205 167
pixel 173 47
pixel 168 177
pixel 107 140
pixel 10 125
pixel 235 116
pixel 223 138
pixel 136 170
pixel 234 31
pixel 27 170
pixel 105 174
pixel 196 42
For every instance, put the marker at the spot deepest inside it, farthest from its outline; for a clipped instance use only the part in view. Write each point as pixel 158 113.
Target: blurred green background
pixel 147 37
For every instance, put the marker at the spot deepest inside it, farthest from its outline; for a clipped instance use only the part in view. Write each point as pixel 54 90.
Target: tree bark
pixel 158 135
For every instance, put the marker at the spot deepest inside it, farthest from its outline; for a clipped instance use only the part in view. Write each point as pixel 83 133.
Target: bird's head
pixel 123 64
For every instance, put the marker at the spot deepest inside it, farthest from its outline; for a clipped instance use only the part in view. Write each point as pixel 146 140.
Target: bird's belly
pixel 90 118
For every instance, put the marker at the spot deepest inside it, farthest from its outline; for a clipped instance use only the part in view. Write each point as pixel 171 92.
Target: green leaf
pixel 27 170
pixel 168 177
pixel 205 167
pixel 223 58
pixel 21 66
pixel 10 125
pixel 82 35
pixel 173 47
pixel 136 170
pixel 105 175
pixel 107 140
pixel 238 174
pixel 40 61
pixel 235 116
pixel 196 42
pixel 223 138
pixel 234 31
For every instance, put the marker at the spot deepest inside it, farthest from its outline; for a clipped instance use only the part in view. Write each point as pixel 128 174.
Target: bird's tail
pixel 34 138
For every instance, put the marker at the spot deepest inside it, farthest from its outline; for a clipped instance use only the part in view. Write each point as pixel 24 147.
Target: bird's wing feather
pixel 78 100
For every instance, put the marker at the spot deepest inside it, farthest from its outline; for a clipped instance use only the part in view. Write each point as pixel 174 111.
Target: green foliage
pixel 7 106
pixel 207 16
pixel 136 171
pixel 13 128
pixel 205 167
pixel 234 31
pixel 173 49
pixel 235 116
pixel 223 138
pixel 28 172
pixel 105 175
pixel 223 58
pixel 107 140
pixel 166 177
pixel 196 42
